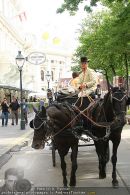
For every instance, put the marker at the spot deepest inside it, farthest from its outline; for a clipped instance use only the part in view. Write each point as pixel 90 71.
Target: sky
pixel 42 18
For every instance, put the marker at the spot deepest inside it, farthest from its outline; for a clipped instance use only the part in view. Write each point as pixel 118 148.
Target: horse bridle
pixel 108 132
pixel 119 100
pixel 42 119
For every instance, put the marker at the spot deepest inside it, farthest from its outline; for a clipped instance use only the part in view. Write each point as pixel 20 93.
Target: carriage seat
pixel 64 95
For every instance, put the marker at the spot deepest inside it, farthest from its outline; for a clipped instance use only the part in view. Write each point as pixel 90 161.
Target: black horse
pixel 56 120
pixel 104 121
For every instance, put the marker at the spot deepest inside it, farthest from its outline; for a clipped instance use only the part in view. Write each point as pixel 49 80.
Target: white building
pixel 11 40
pixel 14 38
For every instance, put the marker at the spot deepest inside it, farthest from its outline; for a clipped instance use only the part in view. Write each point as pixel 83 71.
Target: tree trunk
pixel 113 69
pixel 107 79
pixel 127 73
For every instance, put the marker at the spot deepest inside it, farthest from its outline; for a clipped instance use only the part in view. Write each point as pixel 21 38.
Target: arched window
pixel 42 75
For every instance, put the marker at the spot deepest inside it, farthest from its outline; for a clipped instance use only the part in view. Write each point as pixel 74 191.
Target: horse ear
pixel 44 111
pixel 35 110
pixel 31 124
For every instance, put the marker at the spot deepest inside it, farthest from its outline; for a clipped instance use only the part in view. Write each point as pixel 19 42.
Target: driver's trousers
pixel 83 103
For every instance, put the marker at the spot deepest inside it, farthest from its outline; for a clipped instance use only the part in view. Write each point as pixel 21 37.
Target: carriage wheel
pixel 108 153
pixel 53 154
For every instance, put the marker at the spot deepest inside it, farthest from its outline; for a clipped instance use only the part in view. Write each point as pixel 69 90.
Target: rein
pixel 81 113
pixel 52 136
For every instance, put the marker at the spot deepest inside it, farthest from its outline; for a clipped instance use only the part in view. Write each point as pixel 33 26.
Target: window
pixel 52 75
pixel 42 75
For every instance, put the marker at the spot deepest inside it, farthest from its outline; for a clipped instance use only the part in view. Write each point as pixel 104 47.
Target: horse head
pixel 49 122
pixel 119 99
pixel 39 126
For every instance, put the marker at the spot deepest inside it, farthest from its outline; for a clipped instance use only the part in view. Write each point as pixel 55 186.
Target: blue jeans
pixel 5 118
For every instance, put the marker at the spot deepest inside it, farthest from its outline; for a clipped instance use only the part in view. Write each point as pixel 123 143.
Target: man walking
pixel 14 106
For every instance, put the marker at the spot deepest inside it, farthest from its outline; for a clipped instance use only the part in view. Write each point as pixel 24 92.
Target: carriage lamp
pixel 48 77
pixel 20 62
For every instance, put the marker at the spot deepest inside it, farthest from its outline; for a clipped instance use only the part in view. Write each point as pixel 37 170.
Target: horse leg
pixel 116 142
pixel 74 165
pixel 63 167
pixel 101 148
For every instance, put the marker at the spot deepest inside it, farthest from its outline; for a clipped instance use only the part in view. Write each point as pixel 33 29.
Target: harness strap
pixel 93 122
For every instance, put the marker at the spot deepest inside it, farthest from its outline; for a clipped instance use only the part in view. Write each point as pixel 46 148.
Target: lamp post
pixel 20 62
pixel 48 77
pixel 56 83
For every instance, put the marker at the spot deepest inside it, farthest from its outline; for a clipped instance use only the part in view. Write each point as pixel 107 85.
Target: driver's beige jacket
pixel 88 78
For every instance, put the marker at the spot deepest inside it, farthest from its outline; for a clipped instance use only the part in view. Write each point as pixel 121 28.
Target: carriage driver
pixel 86 85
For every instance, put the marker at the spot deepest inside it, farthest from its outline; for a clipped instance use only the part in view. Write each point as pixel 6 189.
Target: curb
pixel 18 144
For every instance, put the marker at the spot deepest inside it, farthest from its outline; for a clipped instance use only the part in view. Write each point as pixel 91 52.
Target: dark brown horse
pixel 56 120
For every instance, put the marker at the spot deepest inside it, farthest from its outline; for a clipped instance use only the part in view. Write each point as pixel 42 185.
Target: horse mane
pixel 60 114
pixel 101 110
pixel 108 106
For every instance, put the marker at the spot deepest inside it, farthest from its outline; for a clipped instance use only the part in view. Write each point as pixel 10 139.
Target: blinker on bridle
pixel 42 119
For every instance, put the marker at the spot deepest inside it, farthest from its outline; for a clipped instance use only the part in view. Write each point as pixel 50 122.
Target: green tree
pixel 105 39
pixel 73 5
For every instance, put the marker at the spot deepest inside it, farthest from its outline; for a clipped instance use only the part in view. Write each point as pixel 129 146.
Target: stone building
pixel 14 38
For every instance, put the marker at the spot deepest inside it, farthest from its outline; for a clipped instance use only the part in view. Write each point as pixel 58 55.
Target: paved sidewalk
pixel 11 136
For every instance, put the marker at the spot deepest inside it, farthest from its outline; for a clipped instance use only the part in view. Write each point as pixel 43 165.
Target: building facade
pixel 13 39
pixel 10 42
pixel 57 64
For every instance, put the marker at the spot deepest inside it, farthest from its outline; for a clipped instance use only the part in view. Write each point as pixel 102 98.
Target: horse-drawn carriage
pixel 88 141
pixel 103 121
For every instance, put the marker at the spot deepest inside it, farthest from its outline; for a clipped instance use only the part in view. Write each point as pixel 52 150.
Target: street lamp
pixel 48 77
pixel 20 62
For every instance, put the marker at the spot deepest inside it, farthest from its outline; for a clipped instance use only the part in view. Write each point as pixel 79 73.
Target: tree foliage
pixel 105 39
pixel 73 5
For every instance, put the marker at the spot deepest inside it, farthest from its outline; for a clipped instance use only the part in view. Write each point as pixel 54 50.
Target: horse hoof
pixel 72 184
pixel 65 186
pixel 103 176
pixel 115 184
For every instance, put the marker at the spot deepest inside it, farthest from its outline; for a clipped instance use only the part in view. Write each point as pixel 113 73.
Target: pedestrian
pixel 41 104
pixel 5 112
pixel 14 106
pixel 34 99
pixel 55 95
pixel 98 91
pixel 25 110
pixel 49 96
